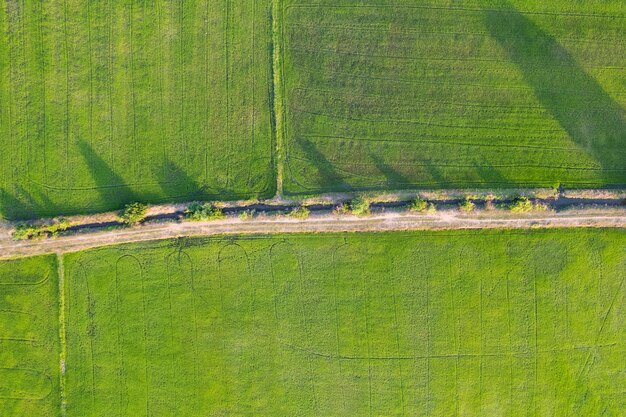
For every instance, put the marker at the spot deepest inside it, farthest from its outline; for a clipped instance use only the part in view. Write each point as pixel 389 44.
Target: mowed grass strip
pixel 416 324
pixel 29 337
pixel 437 94
pixel 108 102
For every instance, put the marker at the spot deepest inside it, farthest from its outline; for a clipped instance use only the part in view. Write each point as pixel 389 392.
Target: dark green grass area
pixel 414 324
pixel 106 102
pixel 441 94
pixel 29 337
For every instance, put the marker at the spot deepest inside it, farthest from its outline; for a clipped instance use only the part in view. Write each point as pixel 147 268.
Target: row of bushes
pixel 27 231
pixel 135 213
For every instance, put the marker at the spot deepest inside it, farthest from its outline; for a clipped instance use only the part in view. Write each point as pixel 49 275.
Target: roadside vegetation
pixel 203 212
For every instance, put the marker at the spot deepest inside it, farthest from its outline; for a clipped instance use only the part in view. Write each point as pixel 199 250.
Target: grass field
pixel 426 323
pixel 29 337
pixel 439 94
pixel 104 102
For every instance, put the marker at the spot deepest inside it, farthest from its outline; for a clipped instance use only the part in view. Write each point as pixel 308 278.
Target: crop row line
pixel 424 7
pixel 415 122
pixel 454 83
pixel 385 29
pixel 298 48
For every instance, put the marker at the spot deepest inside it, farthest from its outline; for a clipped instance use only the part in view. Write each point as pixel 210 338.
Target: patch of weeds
pixel 198 212
pixel 342 208
pixel 33 232
pixel 467 206
pixel 246 215
pixel 299 213
pixel 419 205
pixel 133 213
pixel 360 207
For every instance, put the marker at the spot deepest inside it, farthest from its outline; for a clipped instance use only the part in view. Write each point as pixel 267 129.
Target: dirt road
pixel 328 223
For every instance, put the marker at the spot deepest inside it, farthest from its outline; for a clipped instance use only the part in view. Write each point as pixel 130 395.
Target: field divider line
pixel 277 108
pixel 62 334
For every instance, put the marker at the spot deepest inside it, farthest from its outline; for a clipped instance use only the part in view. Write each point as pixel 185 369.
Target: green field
pixel 29 337
pixel 427 323
pixel 442 93
pixel 105 102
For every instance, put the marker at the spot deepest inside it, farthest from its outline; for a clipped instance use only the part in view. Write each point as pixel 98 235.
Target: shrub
pixel 33 232
pixel 420 205
pixel 360 207
pixel 521 205
pixel 467 206
pixel 299 213
pixel 133 213
pixel 203 212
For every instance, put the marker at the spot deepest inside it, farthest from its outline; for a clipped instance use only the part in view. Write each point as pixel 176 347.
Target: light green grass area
pixel 415 324
pixel 106 102
pixel 29 337
pixel 443 93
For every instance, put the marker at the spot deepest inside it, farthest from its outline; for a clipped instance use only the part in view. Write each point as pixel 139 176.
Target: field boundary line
pixel 62 334
pixel 468 9
pixel 278 105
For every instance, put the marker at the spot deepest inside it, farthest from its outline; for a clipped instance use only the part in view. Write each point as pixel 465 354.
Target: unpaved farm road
pixel 384 222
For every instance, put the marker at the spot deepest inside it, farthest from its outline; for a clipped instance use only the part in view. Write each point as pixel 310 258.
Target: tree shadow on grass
pixel 175 183
pixel 22 205
pixel 113 190
pixel 392 176
pixel 593 120
pixel 329 177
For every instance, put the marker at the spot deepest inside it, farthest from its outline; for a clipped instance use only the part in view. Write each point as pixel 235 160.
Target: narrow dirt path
pixel 383 222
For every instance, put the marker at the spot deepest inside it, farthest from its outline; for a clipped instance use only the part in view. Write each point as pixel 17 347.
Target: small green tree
pixel 467 206
pixel 360 207
pixel 133 213
pixel 203 212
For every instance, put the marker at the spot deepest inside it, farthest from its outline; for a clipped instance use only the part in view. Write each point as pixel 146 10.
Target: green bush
pixel 32 232
pixel 299 213
pixel 133 213
pixel 203 212
pixel 420 205
pixel 467 206
pixel 360 207
pixel 521 205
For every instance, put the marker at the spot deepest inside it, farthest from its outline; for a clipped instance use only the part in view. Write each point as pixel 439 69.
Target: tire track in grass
pixel 182 257
pixel 44 122
pixel 227 86
pixel 122 392
pixel 456 9
pixel 398 351
pixel 26 110
pixel 133 94
pixel 334 260
pixel 276 315
pixel 253 68
pixel 181 71
pixel 207 126
pixel 67 95
pixel 110 74
pixel 89 40
pixel 456 327
pixel 159 49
